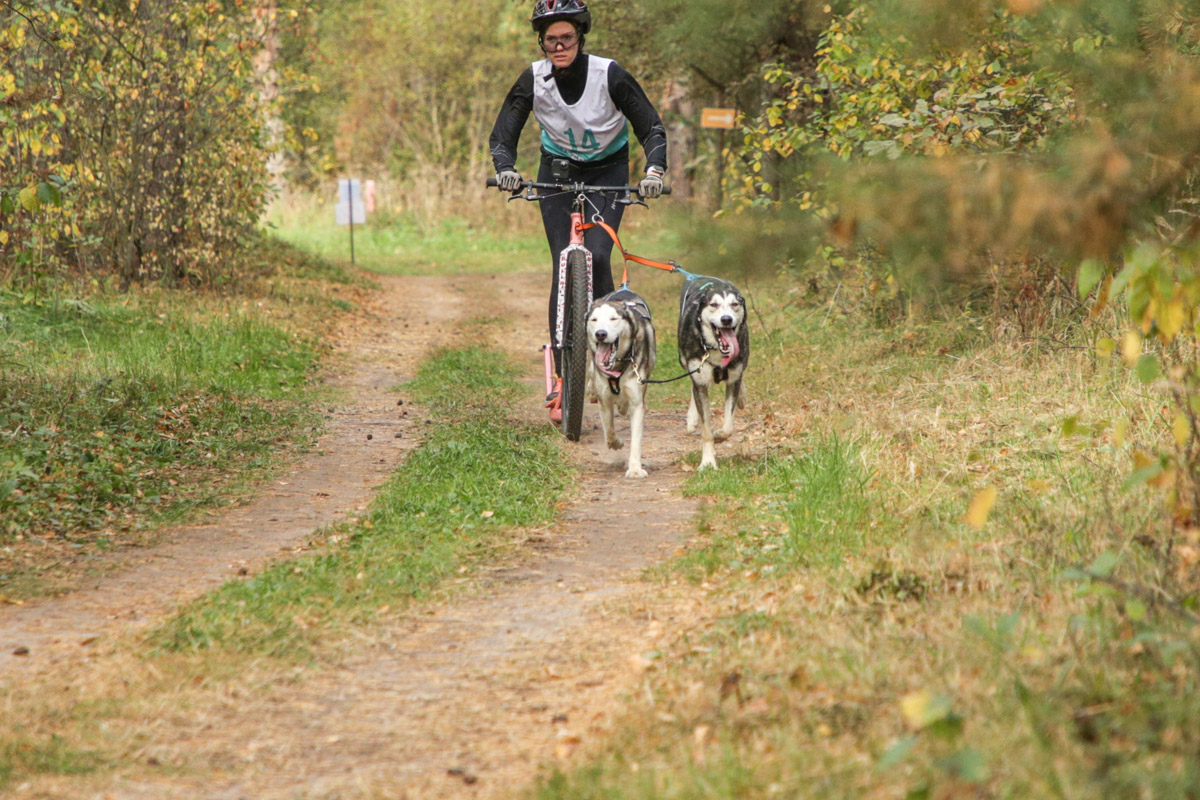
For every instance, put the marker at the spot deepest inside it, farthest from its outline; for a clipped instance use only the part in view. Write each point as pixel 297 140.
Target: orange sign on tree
pixel 717 117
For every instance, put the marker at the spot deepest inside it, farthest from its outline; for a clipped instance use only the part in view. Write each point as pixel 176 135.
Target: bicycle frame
pixel 574 296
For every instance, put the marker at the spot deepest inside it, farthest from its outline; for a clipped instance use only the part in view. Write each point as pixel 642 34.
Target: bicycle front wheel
pixel 575 351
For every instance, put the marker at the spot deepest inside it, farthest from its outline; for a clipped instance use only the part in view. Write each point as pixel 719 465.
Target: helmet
pixel 548 11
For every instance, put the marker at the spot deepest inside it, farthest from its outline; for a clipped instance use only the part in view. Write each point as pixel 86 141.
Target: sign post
pixel 722 120
pixel 350 209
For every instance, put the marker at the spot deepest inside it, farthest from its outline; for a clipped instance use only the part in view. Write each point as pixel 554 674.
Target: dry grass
pixel 812 671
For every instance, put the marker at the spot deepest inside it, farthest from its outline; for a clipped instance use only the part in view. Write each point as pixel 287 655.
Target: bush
pixel 133 136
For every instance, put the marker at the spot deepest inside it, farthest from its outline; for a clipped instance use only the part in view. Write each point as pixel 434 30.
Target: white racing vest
pixel 590 129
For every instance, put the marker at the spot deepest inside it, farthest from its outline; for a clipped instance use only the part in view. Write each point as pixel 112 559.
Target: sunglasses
pixel 552 43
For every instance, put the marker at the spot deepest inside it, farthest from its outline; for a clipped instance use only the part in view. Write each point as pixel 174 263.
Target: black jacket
pixel 628 96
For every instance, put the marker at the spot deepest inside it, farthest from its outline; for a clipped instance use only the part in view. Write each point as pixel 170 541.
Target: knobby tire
pixel 575 352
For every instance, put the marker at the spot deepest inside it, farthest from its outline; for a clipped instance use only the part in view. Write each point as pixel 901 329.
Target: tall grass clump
pixel 797 509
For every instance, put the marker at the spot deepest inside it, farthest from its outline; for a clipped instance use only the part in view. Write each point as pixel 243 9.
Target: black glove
pixel 509 180
pixel 651 185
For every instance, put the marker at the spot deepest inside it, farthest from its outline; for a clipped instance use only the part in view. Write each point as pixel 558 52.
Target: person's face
pixel 560 43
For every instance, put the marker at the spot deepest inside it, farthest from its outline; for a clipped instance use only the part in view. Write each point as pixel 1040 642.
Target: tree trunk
pixel 267 14
pixel 680 112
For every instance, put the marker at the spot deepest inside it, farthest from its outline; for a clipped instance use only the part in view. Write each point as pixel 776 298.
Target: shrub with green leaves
pixel 872 94
pixel 132 134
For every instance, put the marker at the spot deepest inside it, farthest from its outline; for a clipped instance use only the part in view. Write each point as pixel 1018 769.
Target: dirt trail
pixel 467 698
pixel 378 348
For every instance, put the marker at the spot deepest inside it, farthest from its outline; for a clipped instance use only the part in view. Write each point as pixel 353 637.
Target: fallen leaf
pixel 981 506
pixel 922 708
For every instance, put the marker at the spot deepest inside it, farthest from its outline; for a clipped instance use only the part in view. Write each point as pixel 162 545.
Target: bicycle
pixel 574 292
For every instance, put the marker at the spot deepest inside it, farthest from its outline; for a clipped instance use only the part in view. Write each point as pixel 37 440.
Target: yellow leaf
pixel 1142 459
pixel 1119 432
pixel 3 237
pixel 1170 321
pixel 1106 347
pixel 981 506
pixel 923 708
pixel 28 198
pixel 1131 347
pixel 1182 429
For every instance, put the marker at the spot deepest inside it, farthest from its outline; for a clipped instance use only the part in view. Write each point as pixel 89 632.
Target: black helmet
pixel 548 11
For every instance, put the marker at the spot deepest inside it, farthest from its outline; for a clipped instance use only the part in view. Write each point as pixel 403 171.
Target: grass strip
pixel 799 509
pixel 478 475
pixel 53 756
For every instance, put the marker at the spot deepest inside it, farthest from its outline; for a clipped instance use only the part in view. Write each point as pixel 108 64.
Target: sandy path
pixel 467 698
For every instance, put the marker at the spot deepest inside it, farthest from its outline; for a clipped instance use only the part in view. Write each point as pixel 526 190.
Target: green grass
pixel 798 509
pixel 50 757
pixel 121 412
pixel 395 245
pixel 107 405
pixel 479 474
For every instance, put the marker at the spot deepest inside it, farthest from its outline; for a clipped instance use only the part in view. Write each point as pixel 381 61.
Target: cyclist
pixel 584 105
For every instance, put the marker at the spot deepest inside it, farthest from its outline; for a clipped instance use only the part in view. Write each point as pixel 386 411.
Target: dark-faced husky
pixel 621 343
pixel 714 346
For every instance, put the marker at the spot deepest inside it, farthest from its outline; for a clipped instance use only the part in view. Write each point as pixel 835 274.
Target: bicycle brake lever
pixel 628 200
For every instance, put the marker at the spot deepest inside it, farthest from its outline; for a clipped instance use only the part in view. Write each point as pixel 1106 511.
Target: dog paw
pixel 720 436
pixel 709 464
pixel 633 472
pixel 615 444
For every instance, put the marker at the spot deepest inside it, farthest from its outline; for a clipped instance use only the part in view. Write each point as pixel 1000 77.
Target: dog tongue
pixel 730 343
pixel 603 351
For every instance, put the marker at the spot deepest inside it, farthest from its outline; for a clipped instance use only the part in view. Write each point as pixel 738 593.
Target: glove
pixel 651 185
pixel 509 180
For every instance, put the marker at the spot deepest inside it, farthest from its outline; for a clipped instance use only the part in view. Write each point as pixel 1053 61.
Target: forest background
pixel 1003 146
pixel 1029 161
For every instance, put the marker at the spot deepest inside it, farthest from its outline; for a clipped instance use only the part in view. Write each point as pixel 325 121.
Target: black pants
pixel 556 218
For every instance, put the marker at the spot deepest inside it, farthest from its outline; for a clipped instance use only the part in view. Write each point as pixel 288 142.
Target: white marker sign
pixel 350 200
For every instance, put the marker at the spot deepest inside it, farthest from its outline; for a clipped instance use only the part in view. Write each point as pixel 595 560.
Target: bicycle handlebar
pixel 576 186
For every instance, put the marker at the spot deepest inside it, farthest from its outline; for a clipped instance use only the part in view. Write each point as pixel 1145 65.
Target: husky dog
pixel 714 346
pixel 621 343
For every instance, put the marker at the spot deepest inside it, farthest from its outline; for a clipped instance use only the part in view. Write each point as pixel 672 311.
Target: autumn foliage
pixel 132 135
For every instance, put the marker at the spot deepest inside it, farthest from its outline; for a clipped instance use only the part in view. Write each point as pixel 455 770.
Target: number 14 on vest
pixel 588 141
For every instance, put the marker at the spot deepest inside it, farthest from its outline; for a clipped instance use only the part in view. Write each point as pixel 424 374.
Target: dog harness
pixel 638 306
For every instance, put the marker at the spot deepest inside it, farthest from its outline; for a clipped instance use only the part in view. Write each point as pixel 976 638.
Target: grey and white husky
pixel 622 346
pixel 714 345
